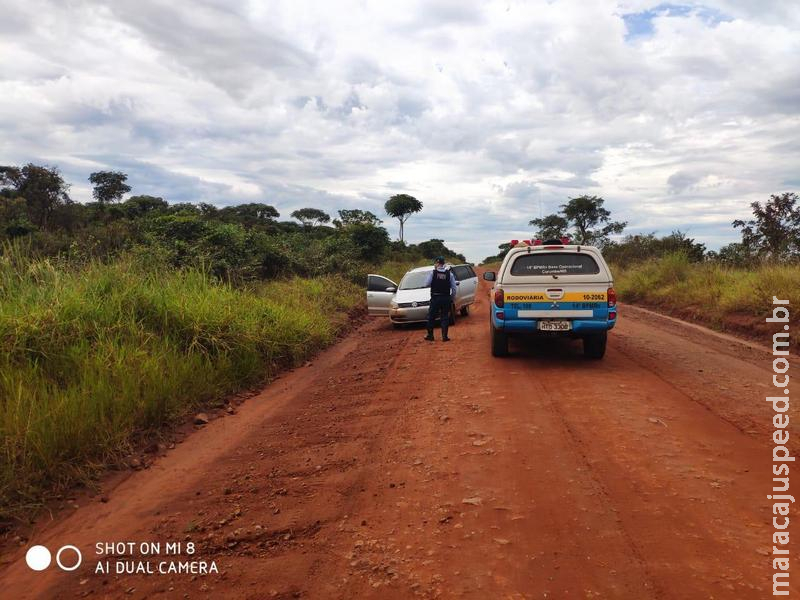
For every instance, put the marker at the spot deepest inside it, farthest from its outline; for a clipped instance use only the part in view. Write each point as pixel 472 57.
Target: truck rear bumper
pixel 530 326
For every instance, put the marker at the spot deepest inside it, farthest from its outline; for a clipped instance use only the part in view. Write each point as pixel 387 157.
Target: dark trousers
pixel 440 307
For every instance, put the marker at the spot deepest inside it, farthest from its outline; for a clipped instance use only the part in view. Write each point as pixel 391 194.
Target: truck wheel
pixel 594 346
pixel 452 314
pixel 464 310
pixel 499 342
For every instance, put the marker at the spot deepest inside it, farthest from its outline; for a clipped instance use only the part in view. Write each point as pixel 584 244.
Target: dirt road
pixel 396 468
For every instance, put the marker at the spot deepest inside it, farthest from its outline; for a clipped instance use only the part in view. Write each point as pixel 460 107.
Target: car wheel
pixel 594 346
pixel 464 310
pixel 499 342
pixel 452 314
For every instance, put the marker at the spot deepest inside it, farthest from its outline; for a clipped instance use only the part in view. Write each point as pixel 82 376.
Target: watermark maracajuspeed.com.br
pixel 781 457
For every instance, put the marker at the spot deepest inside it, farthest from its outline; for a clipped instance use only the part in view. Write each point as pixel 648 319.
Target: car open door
pixel 380 292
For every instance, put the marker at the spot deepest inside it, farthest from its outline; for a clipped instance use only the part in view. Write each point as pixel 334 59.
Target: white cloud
pixel 489 112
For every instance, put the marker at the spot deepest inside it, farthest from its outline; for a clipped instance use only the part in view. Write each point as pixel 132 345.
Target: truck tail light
pixel 499 298
pixel 612 298
pixel 501 315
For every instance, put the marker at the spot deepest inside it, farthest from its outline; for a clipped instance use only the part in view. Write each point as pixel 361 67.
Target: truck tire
pixel 464 310
pixel 594 346
pixel 499 342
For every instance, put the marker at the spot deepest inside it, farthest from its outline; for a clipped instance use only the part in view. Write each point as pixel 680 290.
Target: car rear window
pixel 462 272
pixel 554 263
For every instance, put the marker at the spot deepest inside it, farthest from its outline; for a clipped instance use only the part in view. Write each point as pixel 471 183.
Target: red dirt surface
pixel 397 468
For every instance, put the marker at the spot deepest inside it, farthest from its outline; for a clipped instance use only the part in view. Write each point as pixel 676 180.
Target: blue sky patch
pixel 641 24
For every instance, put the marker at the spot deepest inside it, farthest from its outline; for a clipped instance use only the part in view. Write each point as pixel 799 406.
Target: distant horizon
pixel 680 115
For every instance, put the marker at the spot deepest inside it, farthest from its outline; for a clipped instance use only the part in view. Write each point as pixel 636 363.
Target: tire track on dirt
pixel 654 588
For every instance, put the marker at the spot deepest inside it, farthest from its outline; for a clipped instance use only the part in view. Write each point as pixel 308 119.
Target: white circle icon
pixel 38 558
pixel 77 562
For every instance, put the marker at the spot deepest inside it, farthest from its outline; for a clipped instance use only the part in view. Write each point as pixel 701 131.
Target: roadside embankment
pixel 736 300
pixel 92 357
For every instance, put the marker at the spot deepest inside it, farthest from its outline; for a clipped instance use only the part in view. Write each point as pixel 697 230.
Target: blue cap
pixel 440 259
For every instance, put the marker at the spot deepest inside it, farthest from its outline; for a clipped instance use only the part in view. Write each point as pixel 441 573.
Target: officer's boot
pixel 445 325
pixel 429 337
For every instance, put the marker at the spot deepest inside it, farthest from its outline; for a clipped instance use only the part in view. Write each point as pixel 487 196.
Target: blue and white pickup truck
pixel 552 288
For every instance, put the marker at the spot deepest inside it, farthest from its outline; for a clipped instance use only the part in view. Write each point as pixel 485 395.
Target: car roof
pixel 519 249
pixel 430 267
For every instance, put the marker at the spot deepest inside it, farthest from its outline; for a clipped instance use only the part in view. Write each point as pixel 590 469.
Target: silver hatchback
pixel 408 302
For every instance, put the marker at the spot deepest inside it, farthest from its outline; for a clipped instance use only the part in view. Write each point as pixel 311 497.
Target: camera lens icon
pixel 39 558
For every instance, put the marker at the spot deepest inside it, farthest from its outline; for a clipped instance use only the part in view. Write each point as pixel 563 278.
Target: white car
pixel 408 302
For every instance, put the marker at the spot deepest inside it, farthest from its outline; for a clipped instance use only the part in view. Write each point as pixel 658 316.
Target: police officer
pixel 443 291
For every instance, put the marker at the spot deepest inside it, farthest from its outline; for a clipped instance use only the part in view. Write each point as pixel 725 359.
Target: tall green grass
pixel 720 295
pixel 92 356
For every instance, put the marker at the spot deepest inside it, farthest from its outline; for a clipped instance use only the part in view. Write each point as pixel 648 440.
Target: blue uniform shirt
pixel 429 278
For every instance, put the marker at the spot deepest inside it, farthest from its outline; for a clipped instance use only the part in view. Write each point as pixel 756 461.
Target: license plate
pixel 554 325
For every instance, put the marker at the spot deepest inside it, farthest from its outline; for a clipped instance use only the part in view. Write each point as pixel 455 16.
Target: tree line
pixel 771 235
pixel 242 241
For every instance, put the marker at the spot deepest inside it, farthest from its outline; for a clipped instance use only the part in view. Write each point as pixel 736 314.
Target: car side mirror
pixel 458 283
pixel 391 289
pixel 490 276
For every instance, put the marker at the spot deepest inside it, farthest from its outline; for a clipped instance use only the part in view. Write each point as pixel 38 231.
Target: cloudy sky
pixel 491 113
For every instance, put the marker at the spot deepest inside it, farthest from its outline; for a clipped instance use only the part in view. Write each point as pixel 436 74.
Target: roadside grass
pixel 395 270
pixel 93 356
pixel 727 298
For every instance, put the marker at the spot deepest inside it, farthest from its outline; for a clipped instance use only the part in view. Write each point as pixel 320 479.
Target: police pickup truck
pixel 552 288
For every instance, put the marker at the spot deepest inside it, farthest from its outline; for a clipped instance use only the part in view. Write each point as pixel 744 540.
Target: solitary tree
pixel 109 186
pixel 401 207
pixel 551 226
pixel 354 216
pixel 592 223
pixel 774 232
pixel 311 216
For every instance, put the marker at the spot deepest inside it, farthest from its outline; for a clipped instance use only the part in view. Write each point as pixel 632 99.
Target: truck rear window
pixel 554 263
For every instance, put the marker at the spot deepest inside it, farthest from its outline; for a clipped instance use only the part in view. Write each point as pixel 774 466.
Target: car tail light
pixel 500 315
pixel 612 315
pixel 612 298
pixel 499 298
